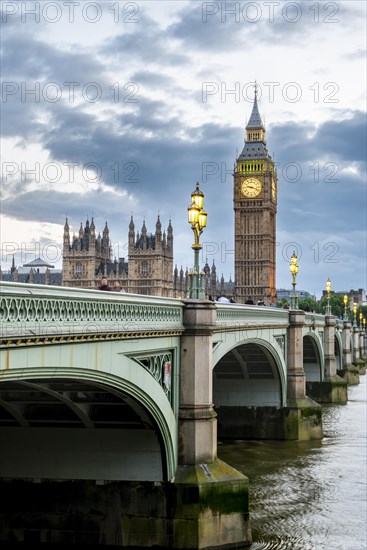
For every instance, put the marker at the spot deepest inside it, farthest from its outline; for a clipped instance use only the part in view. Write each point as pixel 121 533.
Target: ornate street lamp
pixel 197 219
pixel 360 319
pixel 345 301
pixel 328 289
pixel 293 267
pixel 354 315
pixel 364 324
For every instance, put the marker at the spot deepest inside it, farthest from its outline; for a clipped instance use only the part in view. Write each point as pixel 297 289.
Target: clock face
pixel 250 187
pixel 274 190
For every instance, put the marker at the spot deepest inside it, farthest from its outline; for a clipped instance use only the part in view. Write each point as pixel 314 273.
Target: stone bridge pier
pixel 303 415
pixel 211 497
pixel 358 347
pixel 350 371
pixel 333 388
pixel 364 345
pixel 362 351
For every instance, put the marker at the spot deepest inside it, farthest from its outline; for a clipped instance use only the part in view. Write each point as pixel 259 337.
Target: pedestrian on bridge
pixel 104 284
pixel 117 287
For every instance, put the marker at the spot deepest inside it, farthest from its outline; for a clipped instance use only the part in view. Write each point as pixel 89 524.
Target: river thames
pixel 309 495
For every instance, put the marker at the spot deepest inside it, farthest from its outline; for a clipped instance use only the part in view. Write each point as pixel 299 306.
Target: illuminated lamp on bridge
pixel 345 301
pixel 328 290
pixel 354 315
pixel 197 219
pixel 293 267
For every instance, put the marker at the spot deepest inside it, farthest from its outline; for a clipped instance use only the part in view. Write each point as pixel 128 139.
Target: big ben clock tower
pixel 255 207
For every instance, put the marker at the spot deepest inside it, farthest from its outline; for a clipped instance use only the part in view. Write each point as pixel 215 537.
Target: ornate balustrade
pixel 232 316
pixel 314 320
pixel 35 311
pixel 45 313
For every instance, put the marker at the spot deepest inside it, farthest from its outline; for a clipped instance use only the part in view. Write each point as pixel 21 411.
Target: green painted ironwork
pixel 160 366
pixel 27 310
pixel 233 316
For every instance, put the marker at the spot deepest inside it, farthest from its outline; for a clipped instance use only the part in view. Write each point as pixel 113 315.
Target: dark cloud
pixel 197 29
pixel 38 78
pixel 25 59
pixel 46 207
pixel 21 120
pixel 148 44
pixel 155 152
pixel 224 26
pixel 335 140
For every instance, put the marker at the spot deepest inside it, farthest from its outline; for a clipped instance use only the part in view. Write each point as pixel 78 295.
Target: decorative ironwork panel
pixel 160 366
pixel 281 343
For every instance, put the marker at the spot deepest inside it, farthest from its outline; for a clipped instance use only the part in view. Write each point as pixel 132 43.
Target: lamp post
pixel 328 289
pixel 354 315
pixel 293 267
pixel 364 324
pixel 345 301
pixel 197 219
pixel 360 320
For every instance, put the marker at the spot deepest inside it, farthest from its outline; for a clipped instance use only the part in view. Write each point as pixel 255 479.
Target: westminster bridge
pixel 111 405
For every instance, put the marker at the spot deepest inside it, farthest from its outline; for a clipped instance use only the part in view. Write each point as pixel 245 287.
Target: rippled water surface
pixel 309 495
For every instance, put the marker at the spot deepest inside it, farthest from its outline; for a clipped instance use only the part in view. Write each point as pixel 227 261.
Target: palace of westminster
pixel 87 257
pixel 149 270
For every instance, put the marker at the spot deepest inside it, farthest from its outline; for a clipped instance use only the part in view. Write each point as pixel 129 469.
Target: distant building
pixel 38 272
pixel 286 293
pixel 149 269
pixel 213 286
pixel 86 258
pixel 358 297
pixel 354 296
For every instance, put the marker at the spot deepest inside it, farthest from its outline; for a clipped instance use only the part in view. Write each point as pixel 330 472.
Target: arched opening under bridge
pixel 77 429
pixel 338 350
pixel 312 360
pixel 248 390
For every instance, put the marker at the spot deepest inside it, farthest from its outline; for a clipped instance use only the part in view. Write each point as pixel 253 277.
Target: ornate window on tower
pixel 255 135
pixel 78 270
pixel 144 269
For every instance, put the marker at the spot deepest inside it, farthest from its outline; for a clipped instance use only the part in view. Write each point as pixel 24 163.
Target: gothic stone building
pixel 149 270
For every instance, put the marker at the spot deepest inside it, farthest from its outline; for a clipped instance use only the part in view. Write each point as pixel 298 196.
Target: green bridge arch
pixel 313 360
pixel 113 372
pixel 273 352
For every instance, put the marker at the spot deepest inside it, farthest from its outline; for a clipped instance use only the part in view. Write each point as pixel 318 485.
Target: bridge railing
pixel 340 324
pixel 315 319
pixel 248 316
pixel 30 311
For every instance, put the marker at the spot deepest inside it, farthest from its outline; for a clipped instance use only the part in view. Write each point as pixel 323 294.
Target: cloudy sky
pixel 118 108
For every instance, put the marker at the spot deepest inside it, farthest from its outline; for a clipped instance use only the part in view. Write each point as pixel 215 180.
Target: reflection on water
pixel 309 495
